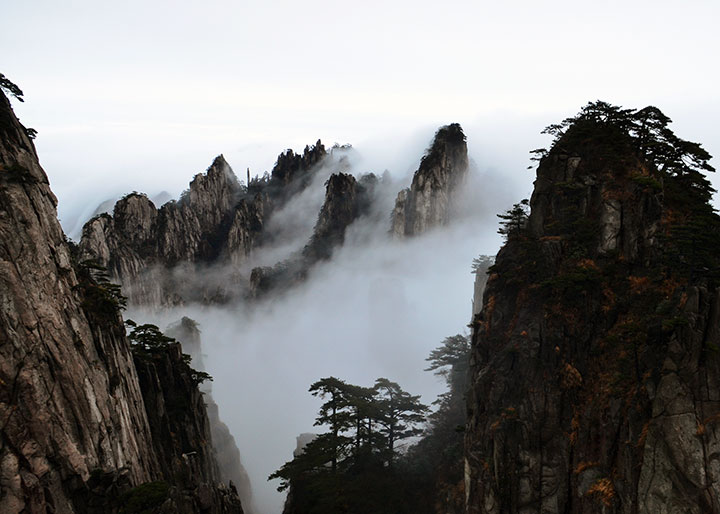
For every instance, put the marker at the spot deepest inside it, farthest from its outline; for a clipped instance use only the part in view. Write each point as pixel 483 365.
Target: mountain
pixel 152 251
pixel 230 466
pixel 595 364
pixel 430 199
pixel 75 432
pixel 346 200
pixel 166 257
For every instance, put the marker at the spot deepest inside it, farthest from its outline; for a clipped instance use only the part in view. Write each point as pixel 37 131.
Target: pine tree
pixel 400 414
pixel 514 220
pixel 334 413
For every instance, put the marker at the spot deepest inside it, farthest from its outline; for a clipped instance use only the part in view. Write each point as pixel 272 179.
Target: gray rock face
pixel 227 454
pixel 74 429
pixel 594 386
pixel 70 401
pixel 140 244
pixel 429 201
pixel 346 199
pixel 182 434
pixel 159 255
pixel 342 206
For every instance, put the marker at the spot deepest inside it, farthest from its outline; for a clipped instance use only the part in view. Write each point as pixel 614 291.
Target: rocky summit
pixel 595 365
pixel 430 200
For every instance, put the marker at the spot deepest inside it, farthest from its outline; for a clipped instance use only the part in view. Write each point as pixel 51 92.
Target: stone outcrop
pixel 181 434
pixel 155 253
pixel 74 430
pixel 594 367
pixel 70 401
pixel 346 199
pixel 227 455
pixel 429 202
pixel 294 170
pixel 160 256
pixel 140 245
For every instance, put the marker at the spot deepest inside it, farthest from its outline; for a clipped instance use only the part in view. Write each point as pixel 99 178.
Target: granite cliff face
pixel 429 202
pixel 75 434
pixel 181 432
pixel 346 199
pixel 594 367
pixel 152 252
pixel 155 253
pixel 227 455
pixel 70 400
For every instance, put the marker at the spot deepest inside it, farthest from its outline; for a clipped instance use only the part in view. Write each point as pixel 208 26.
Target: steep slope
pixel 181 432
pixel 429 201
pixel 154 252
pixel 166 257
pixel 70 401
pixel 346 199
pixel 75 435
pixel 594 368
pixel 230 466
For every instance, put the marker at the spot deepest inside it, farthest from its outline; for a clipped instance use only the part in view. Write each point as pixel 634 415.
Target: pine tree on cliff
pixel 400 414
pixel 596 325
pixel 335 414
pixel 514 219
pixel 11 88
pixel 350 467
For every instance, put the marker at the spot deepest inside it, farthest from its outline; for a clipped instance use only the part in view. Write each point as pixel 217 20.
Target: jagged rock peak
pixel 217 189
pixel 346 199
pixel 139 243
pixel 429 202
pixel 340 208
pixel 593 386
pixel 217 220
pixel 220 170
pixel 291 166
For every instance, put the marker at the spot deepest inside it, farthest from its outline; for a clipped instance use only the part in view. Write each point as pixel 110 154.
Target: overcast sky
pixel 142 95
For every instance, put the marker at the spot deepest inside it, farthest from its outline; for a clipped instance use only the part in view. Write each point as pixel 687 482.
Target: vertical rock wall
pixel 69 397
pixel 81 431
pixel 594 368
pixel 227 454
pixel 429 202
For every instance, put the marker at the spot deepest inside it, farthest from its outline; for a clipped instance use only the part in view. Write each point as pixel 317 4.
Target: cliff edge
pixel 595 364
pixel 74 430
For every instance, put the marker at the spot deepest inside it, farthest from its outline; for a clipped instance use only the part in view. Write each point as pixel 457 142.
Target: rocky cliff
pixel 429 202
pixel 346 199
pixel 165 257
pixel 70 399
pixel 75 435
pixel 227 455
pixel 181 433
pixel 595 365
pixel 154 252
